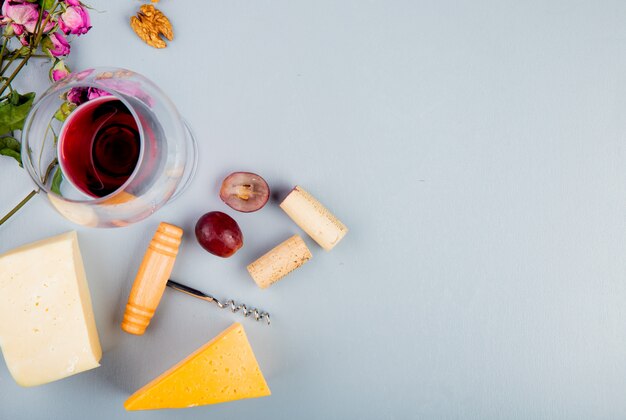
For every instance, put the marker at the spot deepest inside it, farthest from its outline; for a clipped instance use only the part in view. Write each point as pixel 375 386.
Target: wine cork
pixel 279 262
pixel 313 218
pixel 151 278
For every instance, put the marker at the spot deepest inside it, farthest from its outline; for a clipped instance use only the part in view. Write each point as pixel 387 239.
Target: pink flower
pixel 60 46
pixel 93 93
pixel 73 2
pixel 32 25
pixel 19 12
pixel 77 95
pixel 20 15
pixel 59 74
pixel 128 87
pixel 17 29
pixel 82 75
pixel 75 20
pixel 59 71
pixel 80 95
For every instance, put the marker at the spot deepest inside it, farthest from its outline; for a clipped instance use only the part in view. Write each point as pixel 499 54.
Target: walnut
pixel 150 24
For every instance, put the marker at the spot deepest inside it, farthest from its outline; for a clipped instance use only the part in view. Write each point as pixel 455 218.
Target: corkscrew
pixel 230 304
pixel 152 279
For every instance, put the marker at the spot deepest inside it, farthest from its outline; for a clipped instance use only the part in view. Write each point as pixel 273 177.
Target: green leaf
pixel 64 111
pixel 12 153
pixel 46 45
pixel 13 111
pixel 47 4
pixel 11 143
pixel 24 51
pixel 9 146
pixel 13 98
pixel 56 182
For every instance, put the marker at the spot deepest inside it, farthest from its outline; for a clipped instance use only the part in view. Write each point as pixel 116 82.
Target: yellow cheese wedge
pixel 224 369
pixel 47 327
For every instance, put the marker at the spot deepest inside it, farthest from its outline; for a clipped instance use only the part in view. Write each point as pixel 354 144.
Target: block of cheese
pixel 224 369
pixel 47 326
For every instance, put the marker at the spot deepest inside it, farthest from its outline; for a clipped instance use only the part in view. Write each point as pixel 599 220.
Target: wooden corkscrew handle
pixel 151 278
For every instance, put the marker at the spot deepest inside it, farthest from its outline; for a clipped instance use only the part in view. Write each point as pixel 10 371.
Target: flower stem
pixel 14 57
pixel 41 25
pixel 4 47
pixel 19 206
pixel 38 25
pixel 18 57
pixel 15 72
pixel 36 39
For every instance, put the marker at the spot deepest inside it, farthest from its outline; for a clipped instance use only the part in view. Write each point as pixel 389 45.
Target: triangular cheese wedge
pixel 224 369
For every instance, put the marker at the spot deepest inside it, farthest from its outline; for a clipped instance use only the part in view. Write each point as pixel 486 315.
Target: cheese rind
pixel 224 369
pixel 47 326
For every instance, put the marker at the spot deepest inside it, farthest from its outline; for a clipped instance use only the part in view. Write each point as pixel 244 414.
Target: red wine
pixel 99 146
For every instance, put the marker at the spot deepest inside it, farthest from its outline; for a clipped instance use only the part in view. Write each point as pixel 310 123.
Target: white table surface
pixel 476 151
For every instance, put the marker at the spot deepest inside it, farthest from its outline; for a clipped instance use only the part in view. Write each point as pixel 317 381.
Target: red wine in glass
pixel 99 146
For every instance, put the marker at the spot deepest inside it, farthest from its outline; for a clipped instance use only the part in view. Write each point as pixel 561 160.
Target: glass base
pixel 192 160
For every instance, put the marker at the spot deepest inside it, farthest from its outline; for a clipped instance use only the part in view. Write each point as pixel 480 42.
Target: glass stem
pixel 19 206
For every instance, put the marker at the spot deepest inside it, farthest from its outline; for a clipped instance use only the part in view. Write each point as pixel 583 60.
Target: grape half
pixel 219 234
pixel 244 191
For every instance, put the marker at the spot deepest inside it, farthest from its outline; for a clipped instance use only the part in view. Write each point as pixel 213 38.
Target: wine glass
pixel 107 147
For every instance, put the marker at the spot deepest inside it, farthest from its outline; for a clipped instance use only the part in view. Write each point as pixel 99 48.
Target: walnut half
pixel 150 24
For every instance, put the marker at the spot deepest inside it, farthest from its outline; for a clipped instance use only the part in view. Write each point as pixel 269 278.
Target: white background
pixel 474 148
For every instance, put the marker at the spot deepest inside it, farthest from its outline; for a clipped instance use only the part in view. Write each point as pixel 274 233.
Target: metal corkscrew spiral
pixel 230 304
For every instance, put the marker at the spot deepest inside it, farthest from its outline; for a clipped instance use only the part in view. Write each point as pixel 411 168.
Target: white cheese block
pixel 47 326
